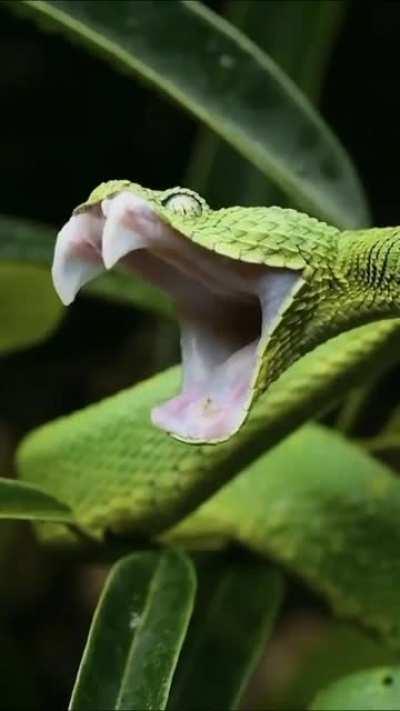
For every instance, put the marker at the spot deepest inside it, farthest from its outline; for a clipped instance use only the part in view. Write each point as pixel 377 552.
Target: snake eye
pixel 183 204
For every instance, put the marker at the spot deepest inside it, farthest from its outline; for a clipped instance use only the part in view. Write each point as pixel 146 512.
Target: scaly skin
pixel 350 278
pixel 119 473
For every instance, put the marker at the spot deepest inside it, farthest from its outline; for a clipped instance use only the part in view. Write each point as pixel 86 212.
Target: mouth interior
pixel 226 308
pixel 220 334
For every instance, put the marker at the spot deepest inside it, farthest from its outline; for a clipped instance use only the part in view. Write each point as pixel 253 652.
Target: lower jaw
pixel 214 401
pixel 200 414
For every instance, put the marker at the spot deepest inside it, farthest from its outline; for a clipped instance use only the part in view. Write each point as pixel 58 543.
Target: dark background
pixel 68 121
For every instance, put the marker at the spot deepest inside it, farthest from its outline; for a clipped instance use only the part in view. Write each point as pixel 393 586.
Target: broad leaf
pixel 29 307
pixel 236 607
pixel 368 691
pixel 24 501
pixel 213 70
pixel 24 241
pixel 137 633
pixel 298 36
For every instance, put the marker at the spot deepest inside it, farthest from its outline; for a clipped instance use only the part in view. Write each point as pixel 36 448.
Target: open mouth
pixel 227 308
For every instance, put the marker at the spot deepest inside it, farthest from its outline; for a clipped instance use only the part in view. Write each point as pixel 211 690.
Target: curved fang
pixel 77 258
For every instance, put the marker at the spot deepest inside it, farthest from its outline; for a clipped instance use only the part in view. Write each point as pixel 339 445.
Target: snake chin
pixel 227 308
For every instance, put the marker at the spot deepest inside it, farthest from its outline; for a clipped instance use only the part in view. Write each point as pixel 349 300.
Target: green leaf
pixel 326 510
pixel 298 36
pixel 213 70
pixel 25 501
pixel 136 634
pixel 367 690
pixel 29 307
pixel 236 607
pixel 24 241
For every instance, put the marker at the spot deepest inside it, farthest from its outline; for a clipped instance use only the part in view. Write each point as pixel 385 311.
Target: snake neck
pixel 367 274
pixel 357 282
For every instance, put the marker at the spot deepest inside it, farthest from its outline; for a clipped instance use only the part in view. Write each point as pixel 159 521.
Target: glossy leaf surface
pixel 137 633
pixel 211 69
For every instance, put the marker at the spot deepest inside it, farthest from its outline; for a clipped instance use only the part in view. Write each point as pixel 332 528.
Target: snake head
pixel 229 295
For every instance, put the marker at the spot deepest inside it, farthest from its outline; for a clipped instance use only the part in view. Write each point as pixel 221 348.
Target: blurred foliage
pixel 29 308
pixel 237 604
pixel 322 508
pixel 23 501
pixel 298 35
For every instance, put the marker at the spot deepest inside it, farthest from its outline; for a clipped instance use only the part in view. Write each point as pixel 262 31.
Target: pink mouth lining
pixel 226 308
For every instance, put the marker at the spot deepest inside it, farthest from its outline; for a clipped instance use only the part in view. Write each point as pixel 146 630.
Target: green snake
pixel 255 289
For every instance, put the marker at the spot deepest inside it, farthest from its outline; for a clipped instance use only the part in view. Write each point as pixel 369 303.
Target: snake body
pixel 120 472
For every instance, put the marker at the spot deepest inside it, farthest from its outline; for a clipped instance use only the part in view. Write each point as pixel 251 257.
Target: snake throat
pixel 227 308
